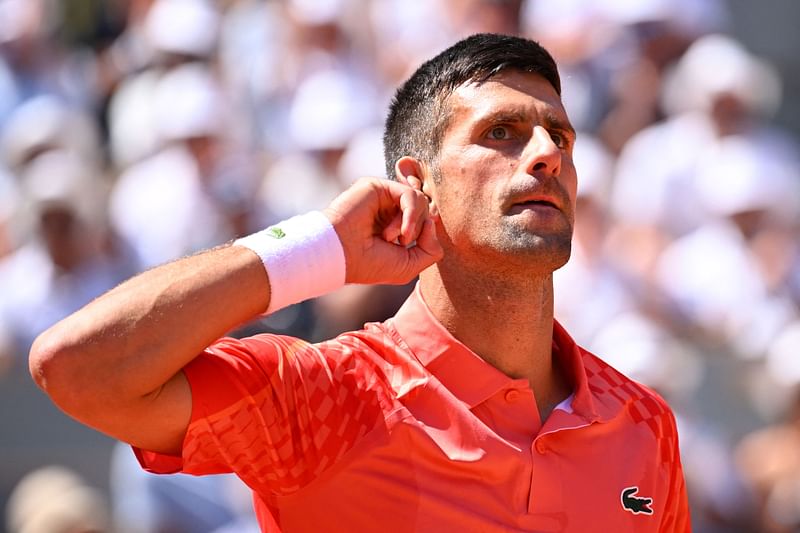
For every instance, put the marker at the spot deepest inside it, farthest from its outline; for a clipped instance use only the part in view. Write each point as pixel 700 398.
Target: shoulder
pixel 361 355
pixel 376 352
pixel 375 341
pixel 267 369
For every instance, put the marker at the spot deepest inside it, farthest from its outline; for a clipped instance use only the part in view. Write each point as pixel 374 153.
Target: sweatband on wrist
pixel 303 258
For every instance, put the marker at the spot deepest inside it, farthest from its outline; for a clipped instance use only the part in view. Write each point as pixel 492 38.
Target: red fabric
pixel 400 427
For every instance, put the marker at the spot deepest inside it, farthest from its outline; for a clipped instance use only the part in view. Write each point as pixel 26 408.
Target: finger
pixel 394 190
pixel 407 220
pixel 414 207
pixel 393 230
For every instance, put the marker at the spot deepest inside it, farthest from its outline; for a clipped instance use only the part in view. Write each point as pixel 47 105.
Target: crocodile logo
pixel 635 504
pixel 276 232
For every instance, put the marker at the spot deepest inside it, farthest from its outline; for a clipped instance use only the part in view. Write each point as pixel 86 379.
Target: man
pixel 470 410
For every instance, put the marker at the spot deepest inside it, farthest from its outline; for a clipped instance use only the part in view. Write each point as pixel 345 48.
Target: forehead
pixel 513 92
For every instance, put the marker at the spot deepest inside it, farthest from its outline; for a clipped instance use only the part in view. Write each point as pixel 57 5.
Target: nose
pixel 542 155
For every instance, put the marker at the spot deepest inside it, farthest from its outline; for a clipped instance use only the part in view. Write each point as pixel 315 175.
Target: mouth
pixel 541 205
pixel 534 203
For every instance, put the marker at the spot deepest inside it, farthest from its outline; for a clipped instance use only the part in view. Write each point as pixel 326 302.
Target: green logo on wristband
pixel 276 232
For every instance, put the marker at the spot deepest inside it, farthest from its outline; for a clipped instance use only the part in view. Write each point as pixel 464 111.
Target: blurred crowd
pixel 133 132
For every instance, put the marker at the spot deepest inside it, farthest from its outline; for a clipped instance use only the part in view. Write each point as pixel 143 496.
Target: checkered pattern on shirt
pixel 296 409
pixel 649 409
pixel 643 405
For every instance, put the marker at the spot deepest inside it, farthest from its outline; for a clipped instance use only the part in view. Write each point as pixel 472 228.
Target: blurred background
pixel 133 132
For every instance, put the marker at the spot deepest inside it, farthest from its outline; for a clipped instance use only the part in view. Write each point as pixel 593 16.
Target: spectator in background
pixel 54 499
pixel 752 200
pixel 48 122
pixel 9 200
pixel 706 107
pixel 145 503
pixel 69 260
pixel 691 182
pixel 653 34
pixel 156 201
pixel 770 461
pixel 163 34
pixel 29 61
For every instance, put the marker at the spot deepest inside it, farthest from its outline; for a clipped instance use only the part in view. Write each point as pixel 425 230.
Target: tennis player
pixel 472 409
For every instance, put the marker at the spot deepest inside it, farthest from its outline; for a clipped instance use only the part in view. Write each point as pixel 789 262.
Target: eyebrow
pixel 554 121
pixel 549 119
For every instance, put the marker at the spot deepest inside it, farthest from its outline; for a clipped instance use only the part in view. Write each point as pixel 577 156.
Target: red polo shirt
pixel 400 427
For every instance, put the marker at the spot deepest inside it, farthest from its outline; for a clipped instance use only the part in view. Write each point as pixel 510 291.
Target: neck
pixel 507 322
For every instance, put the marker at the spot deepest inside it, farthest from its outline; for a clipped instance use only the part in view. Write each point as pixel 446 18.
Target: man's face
pixel 507 190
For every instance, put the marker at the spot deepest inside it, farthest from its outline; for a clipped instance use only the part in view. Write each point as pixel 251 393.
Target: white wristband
pixel 303 258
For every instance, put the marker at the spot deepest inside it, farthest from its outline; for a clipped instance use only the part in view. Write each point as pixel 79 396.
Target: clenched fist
pixel 386 231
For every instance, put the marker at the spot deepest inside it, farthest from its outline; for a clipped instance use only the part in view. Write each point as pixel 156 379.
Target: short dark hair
pixel 418 113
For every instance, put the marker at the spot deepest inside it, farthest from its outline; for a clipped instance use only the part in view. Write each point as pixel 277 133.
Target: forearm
pixel 116 364
pixel 133 339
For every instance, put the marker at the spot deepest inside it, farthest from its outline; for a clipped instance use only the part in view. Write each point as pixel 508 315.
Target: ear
pixel 413 173
pixel 409 171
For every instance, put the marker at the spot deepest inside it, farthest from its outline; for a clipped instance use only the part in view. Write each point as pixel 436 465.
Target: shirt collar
pixel 571 358
pixel 457 367
pixel 468 376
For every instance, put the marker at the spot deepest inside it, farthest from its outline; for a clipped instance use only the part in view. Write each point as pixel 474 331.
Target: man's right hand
pixel 386 231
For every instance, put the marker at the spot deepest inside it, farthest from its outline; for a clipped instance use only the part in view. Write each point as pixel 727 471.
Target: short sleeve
pixel 275 410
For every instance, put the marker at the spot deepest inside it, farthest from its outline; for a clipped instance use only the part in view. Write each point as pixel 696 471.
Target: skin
pixel 115 365
pixel 509 141
pixel 486 265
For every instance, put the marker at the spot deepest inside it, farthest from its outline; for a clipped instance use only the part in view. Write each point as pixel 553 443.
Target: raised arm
pixel 116 364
